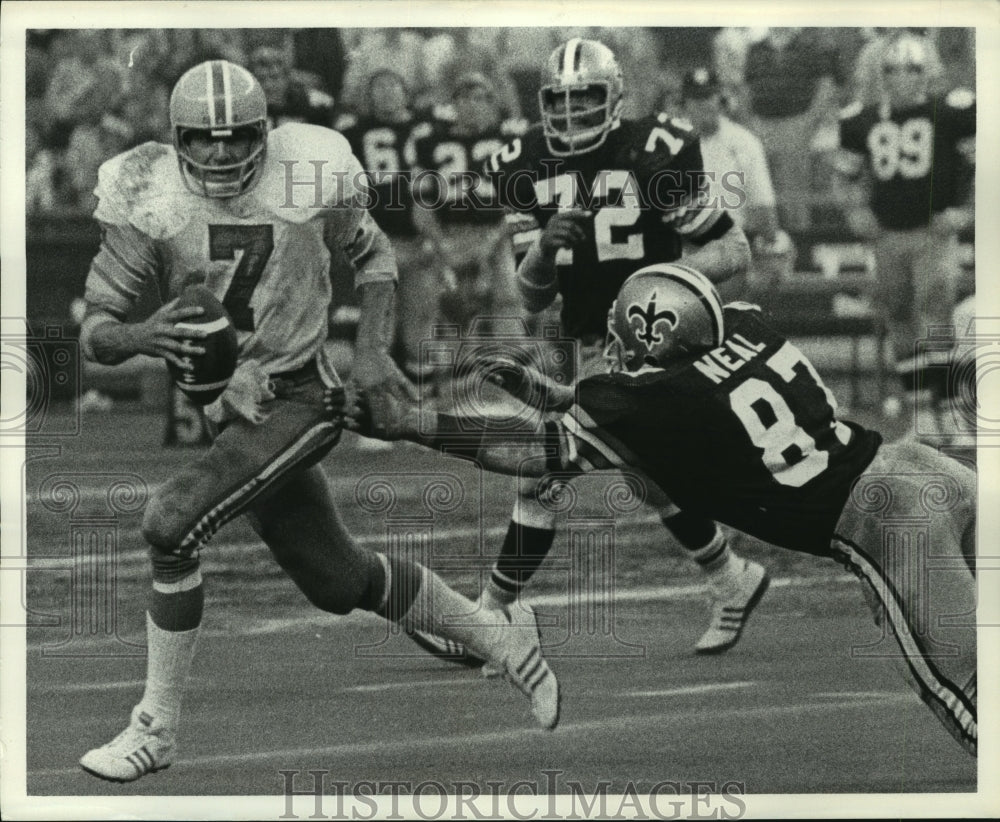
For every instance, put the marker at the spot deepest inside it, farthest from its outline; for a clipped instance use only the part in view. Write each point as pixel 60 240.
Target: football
pixel 213 369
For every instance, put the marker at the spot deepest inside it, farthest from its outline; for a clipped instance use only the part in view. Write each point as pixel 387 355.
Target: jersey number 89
pixel 904 149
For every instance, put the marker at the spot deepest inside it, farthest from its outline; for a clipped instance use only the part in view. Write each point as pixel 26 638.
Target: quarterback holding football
pixel 257 218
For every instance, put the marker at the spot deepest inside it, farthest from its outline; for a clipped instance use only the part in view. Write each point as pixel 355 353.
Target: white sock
pixel 494 598
pixel 168 661
pixel 478 631
pixel 720 564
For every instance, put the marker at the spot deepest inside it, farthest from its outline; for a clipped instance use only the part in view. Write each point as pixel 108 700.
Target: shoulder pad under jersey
pixel 142 187
pixel 960 98
pixel 660 138
pixel 289 186
pixel 677 124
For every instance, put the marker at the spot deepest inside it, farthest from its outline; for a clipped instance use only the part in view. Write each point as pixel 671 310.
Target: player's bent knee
pixel 159 528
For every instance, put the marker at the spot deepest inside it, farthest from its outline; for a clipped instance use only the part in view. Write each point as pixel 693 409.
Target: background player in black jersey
pixel 906 151
pixel 470 251
pixel 379 137
pixel 610 194
pixel 733 423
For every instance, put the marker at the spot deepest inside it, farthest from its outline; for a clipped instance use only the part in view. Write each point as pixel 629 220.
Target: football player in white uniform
pixel 258 218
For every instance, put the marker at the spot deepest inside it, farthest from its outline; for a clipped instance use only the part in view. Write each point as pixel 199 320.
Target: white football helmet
pixel 581 97
pixel 219 100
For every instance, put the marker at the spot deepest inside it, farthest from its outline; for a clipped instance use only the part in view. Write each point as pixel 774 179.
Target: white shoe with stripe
pixel 143 747
pixel 732 609
pixel 527 669
pixel 446 649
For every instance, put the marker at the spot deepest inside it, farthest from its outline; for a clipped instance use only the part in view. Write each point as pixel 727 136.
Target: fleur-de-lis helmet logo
pixel 649 318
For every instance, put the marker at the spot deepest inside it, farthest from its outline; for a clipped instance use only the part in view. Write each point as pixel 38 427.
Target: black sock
pixel 523 551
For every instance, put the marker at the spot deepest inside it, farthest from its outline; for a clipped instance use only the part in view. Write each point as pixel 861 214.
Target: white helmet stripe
pixel 210 95
pixel 709 296
pixel 570 57
pixel 227 90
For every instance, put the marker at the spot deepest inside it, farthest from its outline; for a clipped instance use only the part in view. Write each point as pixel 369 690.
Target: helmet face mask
pixel 580 98
pixel 218 114
pixel 662 312
pixel 614 346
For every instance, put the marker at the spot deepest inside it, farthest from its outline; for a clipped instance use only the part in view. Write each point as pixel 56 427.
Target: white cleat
pixel 143 747
pixel 527 669
pixel 502 616
pixel 446 649
pixel 731 610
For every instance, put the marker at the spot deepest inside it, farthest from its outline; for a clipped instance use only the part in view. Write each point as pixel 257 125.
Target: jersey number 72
pixel 616 236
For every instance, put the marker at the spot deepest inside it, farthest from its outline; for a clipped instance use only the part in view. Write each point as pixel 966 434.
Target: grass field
pixel 278 685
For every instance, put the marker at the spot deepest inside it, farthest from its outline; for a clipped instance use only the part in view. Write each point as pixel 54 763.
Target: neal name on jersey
pixel 258 252
pixel 645 187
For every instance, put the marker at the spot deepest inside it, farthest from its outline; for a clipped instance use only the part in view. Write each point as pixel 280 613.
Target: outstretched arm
pixel 527 451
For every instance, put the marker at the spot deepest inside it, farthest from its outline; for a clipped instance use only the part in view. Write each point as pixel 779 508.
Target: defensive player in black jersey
pixel 454 213
pixel 610 194
pixel 379 138
pixel 733 423
pixel 906 152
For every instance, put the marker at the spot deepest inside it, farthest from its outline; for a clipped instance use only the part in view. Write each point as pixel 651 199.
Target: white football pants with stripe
pixel 908 533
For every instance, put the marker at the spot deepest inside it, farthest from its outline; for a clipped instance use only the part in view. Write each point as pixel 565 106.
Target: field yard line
pixel 138 553
pixel 646 593
pixel 693 689
pixel 423 683
pixel 521 736
pixel 70 687
pixel 91 493
pixel 313 620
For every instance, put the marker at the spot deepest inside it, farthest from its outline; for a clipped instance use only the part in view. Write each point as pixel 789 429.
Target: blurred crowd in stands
pixel 93 93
